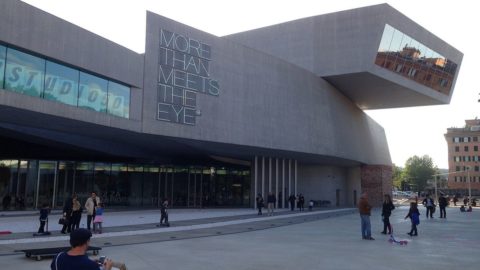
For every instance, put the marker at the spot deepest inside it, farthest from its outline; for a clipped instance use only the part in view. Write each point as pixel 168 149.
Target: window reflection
pixel 404 55
pixel 61 84
pixel 30 75
pixel 3 52
pixel 118 99
pixel 92 93
pixel 24 73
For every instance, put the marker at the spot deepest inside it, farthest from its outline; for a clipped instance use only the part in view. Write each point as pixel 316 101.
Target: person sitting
pixel 462 208
pixel 469 208
pixel 76 258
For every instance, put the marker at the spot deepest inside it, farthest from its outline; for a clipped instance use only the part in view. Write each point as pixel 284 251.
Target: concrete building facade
pixel 206 120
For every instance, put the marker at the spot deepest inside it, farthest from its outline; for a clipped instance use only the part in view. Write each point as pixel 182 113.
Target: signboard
pixel 183 72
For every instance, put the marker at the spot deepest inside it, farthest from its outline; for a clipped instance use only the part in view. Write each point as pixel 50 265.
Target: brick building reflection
pixel 436 73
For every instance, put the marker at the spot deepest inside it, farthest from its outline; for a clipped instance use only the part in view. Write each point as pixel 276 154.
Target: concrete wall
pixel 264 102
pixel 318 182
pixel 345 44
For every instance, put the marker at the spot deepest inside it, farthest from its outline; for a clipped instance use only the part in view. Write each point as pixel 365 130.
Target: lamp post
pixel 469 187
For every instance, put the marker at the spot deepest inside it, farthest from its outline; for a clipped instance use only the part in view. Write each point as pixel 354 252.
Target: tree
pixel 397 176
pixel 418 170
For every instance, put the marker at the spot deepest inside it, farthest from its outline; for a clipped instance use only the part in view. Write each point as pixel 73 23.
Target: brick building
pixel 464 156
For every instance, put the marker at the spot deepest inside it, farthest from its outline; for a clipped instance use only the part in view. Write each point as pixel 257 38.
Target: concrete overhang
pixel 344 49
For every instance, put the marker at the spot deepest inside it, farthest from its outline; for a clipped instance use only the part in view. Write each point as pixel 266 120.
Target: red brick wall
pixel 376 180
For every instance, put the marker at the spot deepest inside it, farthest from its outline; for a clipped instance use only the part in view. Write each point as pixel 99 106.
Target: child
pixel 97 222
pixel 310 205
pixel 414 216
pixel 43 217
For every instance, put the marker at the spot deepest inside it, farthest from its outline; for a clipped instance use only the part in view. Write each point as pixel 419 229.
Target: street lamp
pixel 469 187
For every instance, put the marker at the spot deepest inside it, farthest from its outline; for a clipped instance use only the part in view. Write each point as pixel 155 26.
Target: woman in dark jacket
pixel 67 215
pixel 414 216
pixel 387 208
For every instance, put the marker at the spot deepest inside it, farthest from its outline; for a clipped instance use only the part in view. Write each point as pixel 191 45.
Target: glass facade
pixel 3 54
pixel 34 76
pixel 24 73
pixel 118 99
pixel 61 84
pixel 406 56
pixel 92 93
pixel 28 184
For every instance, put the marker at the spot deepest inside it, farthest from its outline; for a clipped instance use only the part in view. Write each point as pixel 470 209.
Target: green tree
pixel 397 174
pixel 418 170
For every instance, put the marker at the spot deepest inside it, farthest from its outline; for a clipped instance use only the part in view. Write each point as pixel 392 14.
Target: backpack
pixel 415 218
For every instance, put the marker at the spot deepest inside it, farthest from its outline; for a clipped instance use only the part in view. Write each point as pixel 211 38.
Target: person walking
pixel 271 200
pixel 90 205
pixel 164 213
pixel 67 216
pixel 76 213
pixel 76 258
pixel 414 216
pixel 364 209
pixel 301 202
pixel 98 220
pixel 429 204
pixel 442 203
pixel 292 199
pixel 387 208
pixel 43 217
pixel 259 203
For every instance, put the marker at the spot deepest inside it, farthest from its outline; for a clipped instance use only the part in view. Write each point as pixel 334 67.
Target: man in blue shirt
pixel 76 258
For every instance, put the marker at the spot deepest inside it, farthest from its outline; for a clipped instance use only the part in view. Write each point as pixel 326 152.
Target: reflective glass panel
pixel 118 99
pixel 92 93
pixel 24 73
pixel 61 84
pixel 3 54
pixel 415 61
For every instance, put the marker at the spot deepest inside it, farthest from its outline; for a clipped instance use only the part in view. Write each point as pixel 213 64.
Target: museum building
pixel 209 121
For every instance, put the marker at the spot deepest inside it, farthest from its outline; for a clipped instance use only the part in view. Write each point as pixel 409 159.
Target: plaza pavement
pixel 327 239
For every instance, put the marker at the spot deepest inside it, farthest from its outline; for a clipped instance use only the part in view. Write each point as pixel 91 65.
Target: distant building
pixel 464 156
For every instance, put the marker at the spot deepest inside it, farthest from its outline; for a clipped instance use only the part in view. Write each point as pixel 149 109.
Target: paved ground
pixel 317 240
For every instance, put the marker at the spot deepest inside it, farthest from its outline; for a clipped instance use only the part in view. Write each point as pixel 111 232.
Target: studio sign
pixel 183 72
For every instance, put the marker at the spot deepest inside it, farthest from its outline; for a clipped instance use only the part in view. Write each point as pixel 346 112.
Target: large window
pixel 24 73
pixel 34 76
pixel 118 99
pixel 3 53
pixel 406 56
pixel 92 93
pixel 61 84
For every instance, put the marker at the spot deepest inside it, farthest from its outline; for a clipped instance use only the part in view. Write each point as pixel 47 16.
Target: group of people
pixel 72 214
pixel 272 200
pixel 387 208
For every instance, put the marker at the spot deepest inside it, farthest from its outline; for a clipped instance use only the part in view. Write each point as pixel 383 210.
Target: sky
pixel 410 131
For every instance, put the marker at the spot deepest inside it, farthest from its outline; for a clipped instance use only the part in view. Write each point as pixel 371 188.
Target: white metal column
pixel 276 183
pixel 256 183
pixel 269 174
pixel 263 176
pixel 296 177
pixel 290 177
pixel 283 184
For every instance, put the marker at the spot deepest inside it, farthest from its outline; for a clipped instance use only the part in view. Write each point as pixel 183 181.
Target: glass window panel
pixel 406 43
pixel 422 50
pixel 92 93
pixel 3 54
pixel 396 43
pixel 118 99
pixel 61 84
pixel 24 73
pixel 386 38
